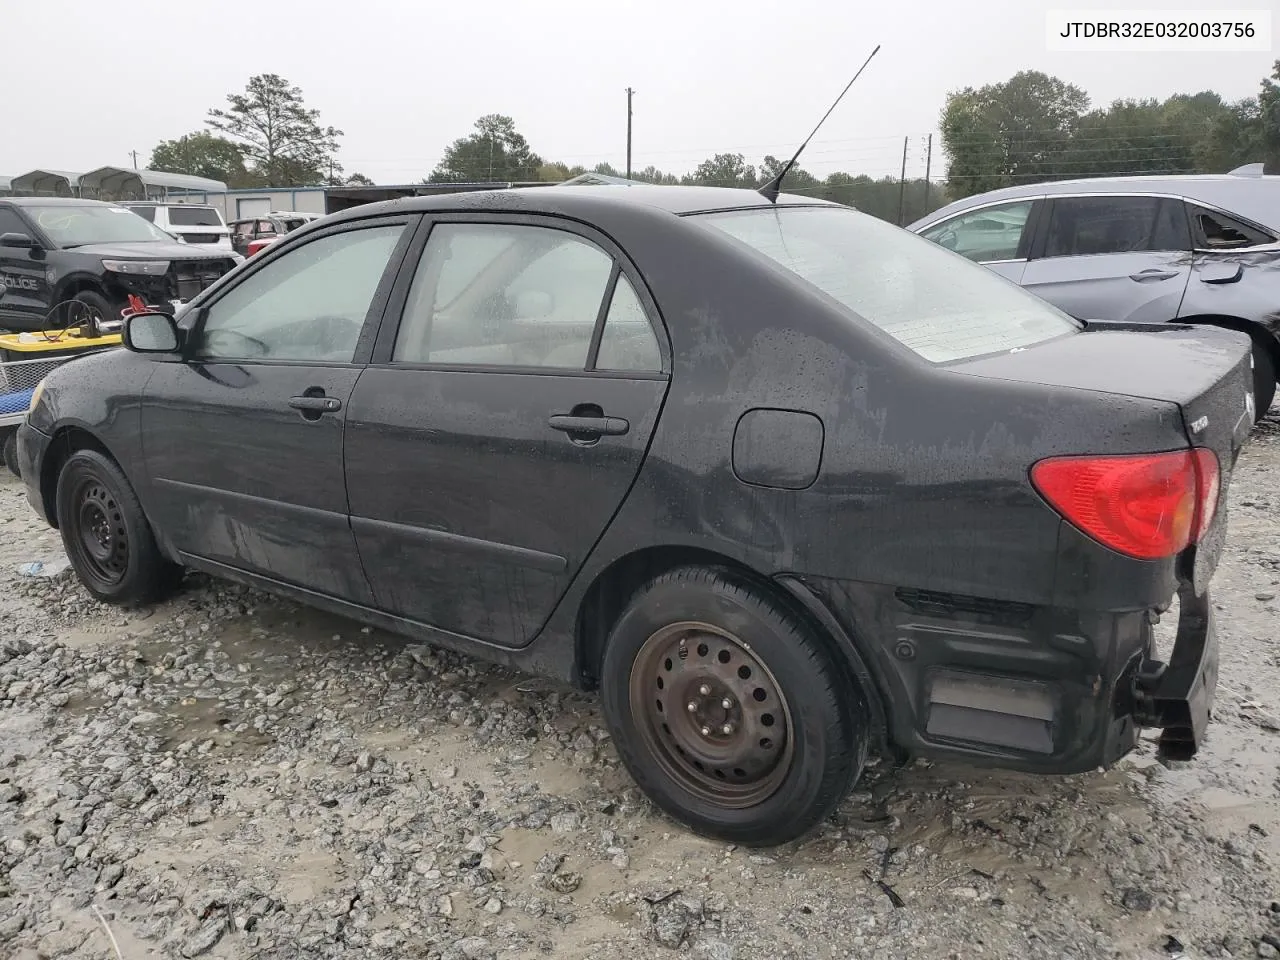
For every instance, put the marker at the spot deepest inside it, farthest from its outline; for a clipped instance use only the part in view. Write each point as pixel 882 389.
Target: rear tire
pixel 729 712
pixel 1264 381
pixel 106 535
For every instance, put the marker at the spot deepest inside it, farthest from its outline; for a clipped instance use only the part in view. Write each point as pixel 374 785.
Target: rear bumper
pixel 1035 689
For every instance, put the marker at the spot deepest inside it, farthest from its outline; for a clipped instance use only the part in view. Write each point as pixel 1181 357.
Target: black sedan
pixel 785 482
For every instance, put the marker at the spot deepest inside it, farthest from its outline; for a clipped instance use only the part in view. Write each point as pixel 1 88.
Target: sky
pixel 404 79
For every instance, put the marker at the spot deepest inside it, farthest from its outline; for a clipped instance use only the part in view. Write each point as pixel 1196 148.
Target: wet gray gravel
pixel 228 775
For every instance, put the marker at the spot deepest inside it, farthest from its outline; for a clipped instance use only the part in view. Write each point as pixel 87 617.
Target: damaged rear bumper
pixel 1037 689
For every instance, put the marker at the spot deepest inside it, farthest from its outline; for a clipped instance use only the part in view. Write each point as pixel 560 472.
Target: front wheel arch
pixel 66 441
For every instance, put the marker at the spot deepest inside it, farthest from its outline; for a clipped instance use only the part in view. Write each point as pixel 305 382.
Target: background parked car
pixel 245 233
pixel 1196 249
pixel 193 223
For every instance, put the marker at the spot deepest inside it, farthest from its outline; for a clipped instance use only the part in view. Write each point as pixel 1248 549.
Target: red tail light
pixel 1147 506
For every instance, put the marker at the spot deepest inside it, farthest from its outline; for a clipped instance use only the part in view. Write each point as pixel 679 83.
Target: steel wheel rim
pixel 101 538
pixel 712 714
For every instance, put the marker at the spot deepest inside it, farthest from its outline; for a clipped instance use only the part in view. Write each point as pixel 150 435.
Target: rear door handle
pixel 590 426
pixel 1153 275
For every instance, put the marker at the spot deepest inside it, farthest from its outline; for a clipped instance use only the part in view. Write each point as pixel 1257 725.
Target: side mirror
pixel 151 333
pixel 23 240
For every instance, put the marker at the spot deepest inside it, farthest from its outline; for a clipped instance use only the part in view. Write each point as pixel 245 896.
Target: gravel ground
pixel 229 775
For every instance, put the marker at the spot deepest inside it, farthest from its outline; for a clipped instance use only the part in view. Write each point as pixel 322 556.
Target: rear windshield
pixel 935 302
pixel 146 213
pixel 194 217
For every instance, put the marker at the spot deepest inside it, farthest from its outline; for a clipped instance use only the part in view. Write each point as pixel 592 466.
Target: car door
pixel 1113 257
pixel 243 439
pixel 995 235
pixel 502 422
pixel 23 271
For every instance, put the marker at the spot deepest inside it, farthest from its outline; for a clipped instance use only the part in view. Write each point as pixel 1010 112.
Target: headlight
pixel 36 394
pixel 150 268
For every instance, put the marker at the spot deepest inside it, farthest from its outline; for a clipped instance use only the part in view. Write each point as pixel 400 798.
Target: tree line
pixel 1027 129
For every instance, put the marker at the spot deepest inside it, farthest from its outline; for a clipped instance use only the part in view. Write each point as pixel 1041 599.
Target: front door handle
pixel 318 404
pixel 1153 274
pixel 590 426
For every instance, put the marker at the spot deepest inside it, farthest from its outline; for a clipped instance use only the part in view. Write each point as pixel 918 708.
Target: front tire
pixel 11 453
pixel 728 711
pixel 1264 382
pixel 95 304
pixel 106 535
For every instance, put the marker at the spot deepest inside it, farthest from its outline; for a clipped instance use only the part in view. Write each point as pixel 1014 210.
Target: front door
pixel 23 271
pixel 1113 258
pixel 243 441
pixel 501 424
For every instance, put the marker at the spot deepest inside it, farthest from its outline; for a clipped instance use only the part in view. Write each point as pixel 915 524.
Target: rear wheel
pixel 1264 381
pixel 106 535
pixel 729 712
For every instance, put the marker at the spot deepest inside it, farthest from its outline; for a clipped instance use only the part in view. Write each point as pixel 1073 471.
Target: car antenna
pixel 771 189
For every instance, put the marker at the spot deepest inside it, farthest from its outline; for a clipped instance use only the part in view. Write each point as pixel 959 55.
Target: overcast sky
pixel 402 79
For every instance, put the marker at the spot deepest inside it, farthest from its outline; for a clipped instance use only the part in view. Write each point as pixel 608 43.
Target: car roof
pixel 57 201
pixel 1254 198
pixel 584 200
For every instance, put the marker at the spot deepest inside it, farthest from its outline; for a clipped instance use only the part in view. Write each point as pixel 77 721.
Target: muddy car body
pixel 1201 249
pixel 785 482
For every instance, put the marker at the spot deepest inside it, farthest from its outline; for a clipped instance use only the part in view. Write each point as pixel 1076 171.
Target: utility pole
pixel 491 158
pixel 134 154
pixel 629 93
pixel 902 181
pixel 928 165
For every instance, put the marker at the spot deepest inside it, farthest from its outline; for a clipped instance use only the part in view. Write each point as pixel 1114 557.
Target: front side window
pixel 308 305
pixel 1092 226
pixel 933 302
pixel 986 235
pixel 503 294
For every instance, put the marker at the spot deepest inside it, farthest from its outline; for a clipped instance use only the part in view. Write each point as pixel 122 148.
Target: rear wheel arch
pixel 612 589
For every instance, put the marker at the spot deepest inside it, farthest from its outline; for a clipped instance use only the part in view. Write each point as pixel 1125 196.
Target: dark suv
pixel 63 260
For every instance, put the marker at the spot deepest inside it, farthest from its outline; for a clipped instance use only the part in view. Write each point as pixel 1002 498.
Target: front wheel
pixel 728 711
pixel 1264 382
pixel 106 535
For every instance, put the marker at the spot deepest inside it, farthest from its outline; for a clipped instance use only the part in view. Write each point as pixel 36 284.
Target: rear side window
pixel 504 295
pixel 986 235
pixel 194 217
pixel 932 301
pixel 1217 231
pixel 146 213
pixel 1090 226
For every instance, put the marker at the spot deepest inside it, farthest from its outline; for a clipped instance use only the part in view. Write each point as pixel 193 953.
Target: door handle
pixel 590 426
pixel 317 404
pixel 1153 274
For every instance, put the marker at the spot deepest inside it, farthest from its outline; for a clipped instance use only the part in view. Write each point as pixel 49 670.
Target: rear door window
pixel 987 235
pixel 1094 226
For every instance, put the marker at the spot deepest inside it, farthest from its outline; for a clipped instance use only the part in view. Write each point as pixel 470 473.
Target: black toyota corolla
pixel 785 482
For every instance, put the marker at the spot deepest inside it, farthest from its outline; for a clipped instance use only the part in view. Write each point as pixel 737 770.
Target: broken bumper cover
pixel 1040 689
pixel 1177 697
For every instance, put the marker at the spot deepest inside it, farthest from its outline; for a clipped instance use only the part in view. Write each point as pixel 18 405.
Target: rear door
pixel 1112 257
pixel 243 441
pixel 996 235
pixel 510 402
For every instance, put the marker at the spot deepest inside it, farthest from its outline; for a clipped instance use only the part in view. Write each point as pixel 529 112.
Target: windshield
pixel 194 217
pixel 935 302
pixel 70 225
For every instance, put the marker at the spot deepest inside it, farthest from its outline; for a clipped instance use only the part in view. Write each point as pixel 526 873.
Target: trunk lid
pixel 1205 371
